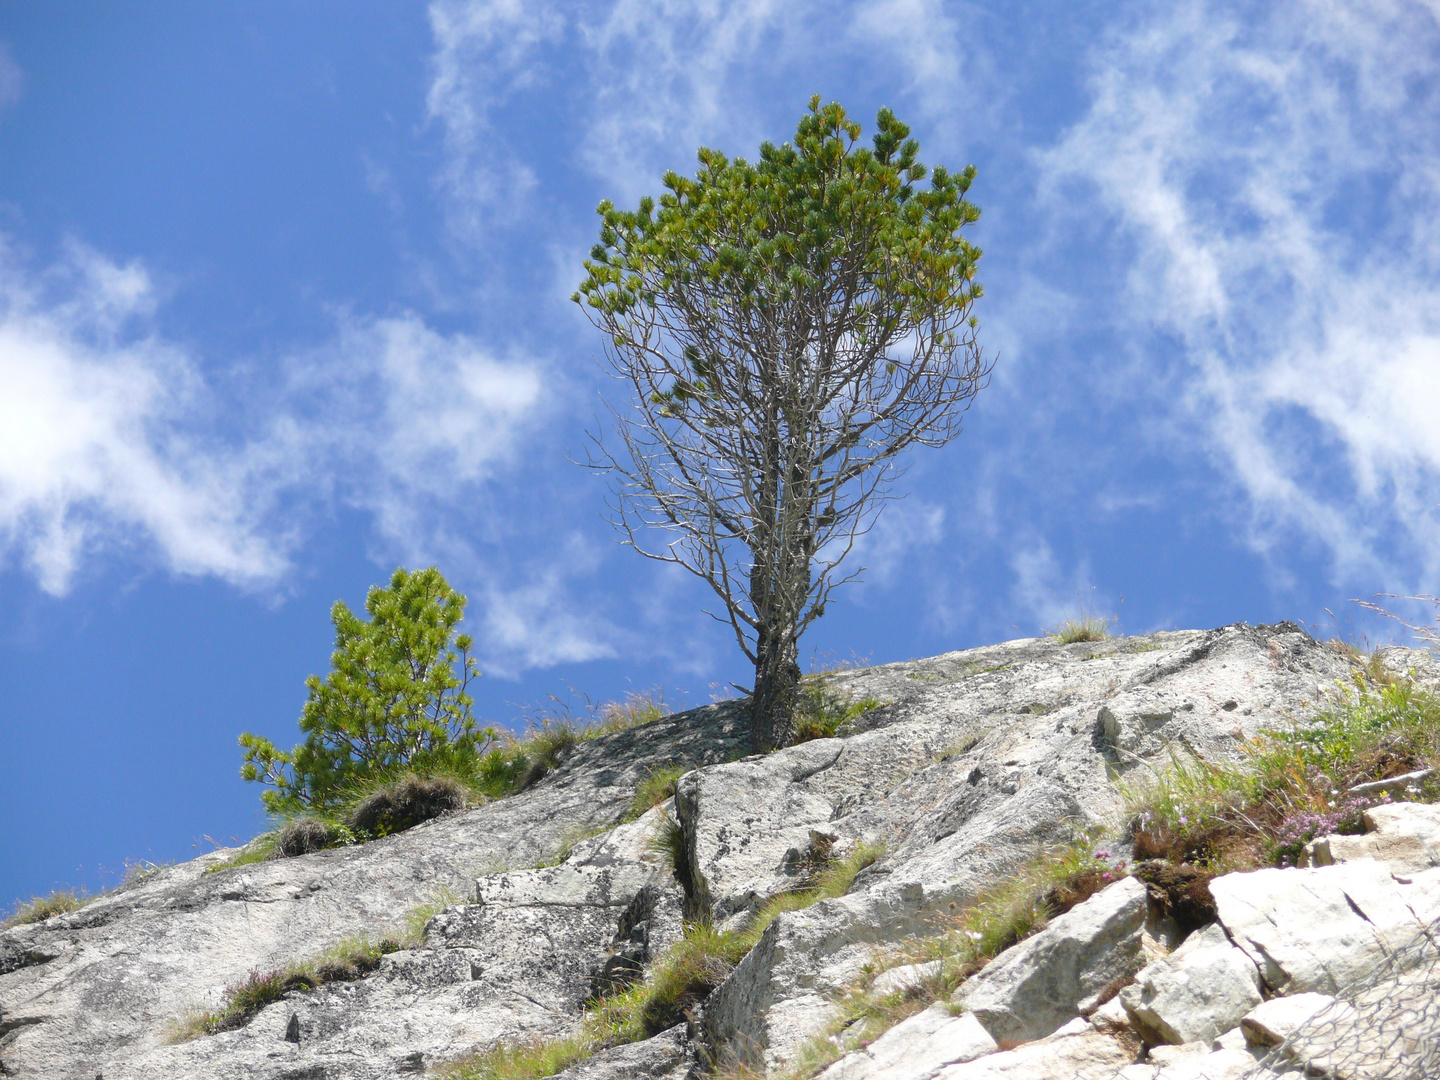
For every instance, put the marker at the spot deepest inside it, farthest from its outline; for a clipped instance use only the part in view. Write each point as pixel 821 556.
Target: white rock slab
pixel 1086 1055
pixel 917 1048
pixel 1327 927
pixel 1404 837
pixel 1030 990
pixel 1226 1064
pixel 1276 1020
pixel 1164 1056
pixel 1200 990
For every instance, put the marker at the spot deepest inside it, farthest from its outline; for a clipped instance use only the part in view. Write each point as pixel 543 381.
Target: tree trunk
pixel 772 705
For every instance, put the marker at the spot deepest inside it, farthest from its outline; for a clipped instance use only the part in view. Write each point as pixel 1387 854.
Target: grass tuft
pixel 1294 784
pixel 405 802
pixel 258 850
pixel 1084 628
pixel 527 1061
pixel 348 960
pixel 39 908
pixel 303 835
pixel 658 786
pixel 668 841
pixel 821 711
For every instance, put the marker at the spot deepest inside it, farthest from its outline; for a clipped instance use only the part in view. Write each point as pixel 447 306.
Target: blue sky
pixel 284 304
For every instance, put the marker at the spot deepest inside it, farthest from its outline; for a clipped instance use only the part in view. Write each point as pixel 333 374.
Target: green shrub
pixel 40 908
pixel 384 798
pixel 395 699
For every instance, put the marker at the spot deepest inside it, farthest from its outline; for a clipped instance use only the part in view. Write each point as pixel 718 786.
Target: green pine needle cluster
pixel 391 739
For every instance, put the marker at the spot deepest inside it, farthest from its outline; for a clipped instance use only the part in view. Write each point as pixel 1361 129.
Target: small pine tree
pixel 395 699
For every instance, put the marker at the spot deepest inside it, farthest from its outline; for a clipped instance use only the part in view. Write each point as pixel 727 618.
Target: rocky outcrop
pixel 975 759
pixel 1201 990
pixel 1039 985
pixel 1403 836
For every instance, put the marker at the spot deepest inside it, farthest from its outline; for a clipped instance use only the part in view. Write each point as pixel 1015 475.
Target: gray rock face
pixel 1199 991
pixel 1403 836
pixel 976 758
pixel 1325 928
pixel 1038 985
pixel 96 990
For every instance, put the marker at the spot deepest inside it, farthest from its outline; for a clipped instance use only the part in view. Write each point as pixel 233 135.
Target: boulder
pixel 1197 992
pixel 1326 928
pixel 1404 837
pixel 1078 1053
pixel 1278 1019
pixel 916 1048
pixel 1033 988
pixel 667 1056
pixel 1390 1031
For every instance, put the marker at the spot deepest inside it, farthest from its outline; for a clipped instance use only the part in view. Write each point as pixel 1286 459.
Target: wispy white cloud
pixel 1044 594
pixel 419 418
pixel 671 76
pixel 1274 169
pixel 533 620
pixel 902 527
pixel 922 40
pixel 485 52
pixel 111 431
pixel 12 79
pixel 96 452
pixel 645 82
